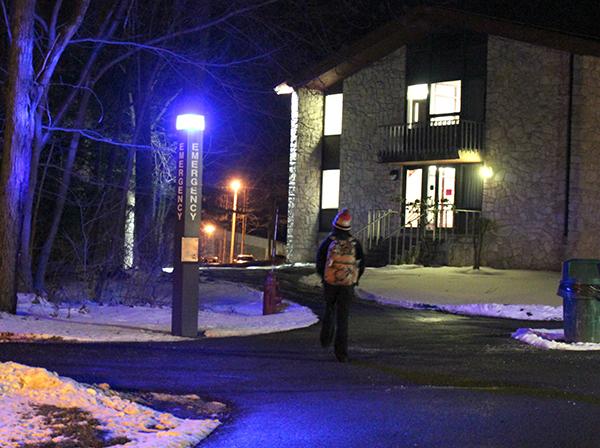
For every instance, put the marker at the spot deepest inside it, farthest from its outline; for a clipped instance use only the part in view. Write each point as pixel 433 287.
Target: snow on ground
pixel 226 309
pixel 514 294
pixel 511 294
pixel 551 340
pixel 23 389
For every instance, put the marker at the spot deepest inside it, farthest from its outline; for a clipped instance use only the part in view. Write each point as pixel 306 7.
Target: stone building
pixel 438 119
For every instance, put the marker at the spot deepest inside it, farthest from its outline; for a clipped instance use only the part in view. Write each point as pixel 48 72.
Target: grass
pixel 73 428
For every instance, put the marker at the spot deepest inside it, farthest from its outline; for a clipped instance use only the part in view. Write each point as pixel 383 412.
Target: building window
pixel 439 102
pixel 444 103
pixel 333 114
pixel 417 102
pixel 330 189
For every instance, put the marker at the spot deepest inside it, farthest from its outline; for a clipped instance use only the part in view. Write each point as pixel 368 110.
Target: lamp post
pixel 244 216
pixel 209 230
pixel 184 317
pixel 235 186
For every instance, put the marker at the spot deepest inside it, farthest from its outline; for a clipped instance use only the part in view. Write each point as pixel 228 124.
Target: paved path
pixel 418 378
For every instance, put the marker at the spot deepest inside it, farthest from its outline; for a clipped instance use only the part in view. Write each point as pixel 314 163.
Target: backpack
pixel 341 267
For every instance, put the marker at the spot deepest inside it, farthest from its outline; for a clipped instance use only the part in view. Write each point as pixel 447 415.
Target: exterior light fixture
pixel 486 172
pixel 284 89
pixel 190 122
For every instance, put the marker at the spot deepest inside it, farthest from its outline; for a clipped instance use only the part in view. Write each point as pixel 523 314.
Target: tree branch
pixel 170 36
pixel 58 46
pixel 6 22
pixel 53 20
pixel 96 136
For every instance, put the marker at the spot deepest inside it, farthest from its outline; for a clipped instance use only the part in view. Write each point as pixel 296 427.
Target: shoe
pixel 341 358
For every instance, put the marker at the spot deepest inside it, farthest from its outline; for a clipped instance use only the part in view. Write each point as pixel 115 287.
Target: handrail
pixel 405 239
pixel 379 223
pixel 464 223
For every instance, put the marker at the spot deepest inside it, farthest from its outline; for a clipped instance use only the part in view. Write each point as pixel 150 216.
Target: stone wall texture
pixel 526 138
pixel 305 174
pixel 584 200
pixel 527 112
pixel 372 97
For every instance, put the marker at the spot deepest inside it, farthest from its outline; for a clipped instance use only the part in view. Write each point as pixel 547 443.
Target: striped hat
pixel 342 220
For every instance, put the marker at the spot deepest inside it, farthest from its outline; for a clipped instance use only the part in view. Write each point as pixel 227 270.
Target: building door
pixel 430 188
pixel 445 193
pixel 413 193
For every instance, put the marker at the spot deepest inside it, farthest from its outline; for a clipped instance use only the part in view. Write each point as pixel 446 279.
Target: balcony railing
pixel 440 140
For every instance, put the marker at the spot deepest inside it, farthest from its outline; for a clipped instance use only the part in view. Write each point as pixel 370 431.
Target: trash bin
pixel 580 290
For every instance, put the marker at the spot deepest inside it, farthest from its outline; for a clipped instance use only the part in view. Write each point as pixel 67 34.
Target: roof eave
pixel 418 23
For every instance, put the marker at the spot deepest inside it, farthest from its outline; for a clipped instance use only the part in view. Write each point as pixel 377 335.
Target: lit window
pixel 333 114
pixel 417 101
pixel 445 101
pixel 330 189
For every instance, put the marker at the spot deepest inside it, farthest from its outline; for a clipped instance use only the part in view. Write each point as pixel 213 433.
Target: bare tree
pixel 18 136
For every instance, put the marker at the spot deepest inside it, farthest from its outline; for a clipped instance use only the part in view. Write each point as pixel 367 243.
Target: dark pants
pixel 335 319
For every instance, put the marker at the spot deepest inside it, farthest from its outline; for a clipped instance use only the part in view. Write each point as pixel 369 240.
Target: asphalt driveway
pixel 417 378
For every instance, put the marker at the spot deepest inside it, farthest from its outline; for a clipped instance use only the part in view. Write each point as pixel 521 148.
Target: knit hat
pixel 342 220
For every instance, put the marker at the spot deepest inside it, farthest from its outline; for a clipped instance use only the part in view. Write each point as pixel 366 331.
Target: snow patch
pixel 23 387
pixel 226 309
pixel 488 292
pixel 506 311
pixel 551 339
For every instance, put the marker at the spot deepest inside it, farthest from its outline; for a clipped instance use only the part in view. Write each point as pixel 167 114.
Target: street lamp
pixel 209 230
pixel 184 317
pixel 235 185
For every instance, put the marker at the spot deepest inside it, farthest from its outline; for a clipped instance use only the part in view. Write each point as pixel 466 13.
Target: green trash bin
pixel 580 290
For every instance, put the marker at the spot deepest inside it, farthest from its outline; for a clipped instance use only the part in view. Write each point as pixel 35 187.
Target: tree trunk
pixel 145 246
pixel 18 139
pixel 38 199
pixel 61 198
pixel 25 268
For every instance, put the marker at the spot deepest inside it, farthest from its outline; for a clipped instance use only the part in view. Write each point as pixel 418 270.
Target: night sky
pixel 248 125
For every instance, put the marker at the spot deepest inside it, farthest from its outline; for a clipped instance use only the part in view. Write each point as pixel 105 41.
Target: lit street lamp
pixel 235 186
pixel 209 230
pixel 184 317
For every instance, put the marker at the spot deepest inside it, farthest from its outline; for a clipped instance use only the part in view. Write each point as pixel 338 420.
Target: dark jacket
pixel 322 251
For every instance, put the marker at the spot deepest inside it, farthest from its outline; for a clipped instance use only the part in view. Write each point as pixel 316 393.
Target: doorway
pixel 433 187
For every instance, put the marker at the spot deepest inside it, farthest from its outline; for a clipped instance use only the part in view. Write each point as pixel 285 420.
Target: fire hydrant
pixel 271 299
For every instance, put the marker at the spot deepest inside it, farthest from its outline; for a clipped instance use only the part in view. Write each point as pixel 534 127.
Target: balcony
pixel 441 140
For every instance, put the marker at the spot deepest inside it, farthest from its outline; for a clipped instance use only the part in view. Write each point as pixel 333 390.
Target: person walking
pixel 340 263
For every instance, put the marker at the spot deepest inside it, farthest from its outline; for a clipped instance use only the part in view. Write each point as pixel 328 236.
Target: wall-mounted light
pixel 190 122
pixel 394 174
pixel 284 89
pixel 486 172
